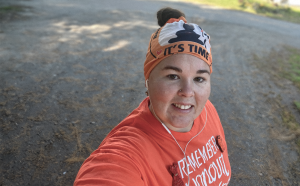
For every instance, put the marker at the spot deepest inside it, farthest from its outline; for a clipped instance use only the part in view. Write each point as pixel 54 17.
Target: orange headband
pixel 177 37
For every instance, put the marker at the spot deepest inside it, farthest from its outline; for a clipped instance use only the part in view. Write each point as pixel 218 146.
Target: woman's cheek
pixel 161 92
pixel 204 92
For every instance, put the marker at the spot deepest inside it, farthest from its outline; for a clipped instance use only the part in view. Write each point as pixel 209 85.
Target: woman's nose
pixel 186 89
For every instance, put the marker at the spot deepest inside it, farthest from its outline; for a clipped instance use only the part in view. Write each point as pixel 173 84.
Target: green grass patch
pixel 293 70
pixel 10 9
pixel 297 104
pixel 298 144
pixel 289 120
pixel 280 64
pixel 261 7
pixel 283 63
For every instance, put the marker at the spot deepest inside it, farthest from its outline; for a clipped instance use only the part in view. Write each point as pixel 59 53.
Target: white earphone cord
pixel 174 137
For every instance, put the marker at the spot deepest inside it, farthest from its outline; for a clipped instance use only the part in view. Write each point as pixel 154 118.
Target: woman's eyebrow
pixel 172 68
pixel 203 71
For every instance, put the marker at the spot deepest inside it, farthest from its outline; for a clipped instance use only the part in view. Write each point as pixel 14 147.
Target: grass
pixel 284 64
pixel 297 104
pixel 289 120
pixel 261 7
pixel 298 144
pixel 293 68
pixel 10 8
pixel 10 12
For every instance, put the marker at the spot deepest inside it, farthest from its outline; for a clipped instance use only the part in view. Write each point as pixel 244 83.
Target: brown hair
pixel 164 14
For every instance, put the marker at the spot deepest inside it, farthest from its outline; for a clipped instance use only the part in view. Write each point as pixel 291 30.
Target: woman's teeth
pixel 184 107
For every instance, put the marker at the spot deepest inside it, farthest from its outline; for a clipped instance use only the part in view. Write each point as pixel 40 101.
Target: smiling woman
pixel 178 91
pixel 175 136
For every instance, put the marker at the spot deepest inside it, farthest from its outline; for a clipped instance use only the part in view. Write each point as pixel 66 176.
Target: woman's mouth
pixel 183 107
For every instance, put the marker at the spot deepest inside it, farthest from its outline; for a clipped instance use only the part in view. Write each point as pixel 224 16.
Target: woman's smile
pixel 183 106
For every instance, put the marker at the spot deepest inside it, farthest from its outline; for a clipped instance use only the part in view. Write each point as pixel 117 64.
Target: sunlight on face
pixel 179 87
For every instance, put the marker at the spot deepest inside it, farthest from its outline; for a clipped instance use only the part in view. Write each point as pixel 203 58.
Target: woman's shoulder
pixel 209 104
pixel 210 107
pixel 128 133
pixel 137 126
pixel 212 115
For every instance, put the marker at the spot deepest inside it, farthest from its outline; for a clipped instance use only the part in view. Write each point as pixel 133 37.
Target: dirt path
pixel 72 70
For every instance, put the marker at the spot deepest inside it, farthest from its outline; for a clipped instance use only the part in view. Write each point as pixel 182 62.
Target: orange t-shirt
pixel 139 152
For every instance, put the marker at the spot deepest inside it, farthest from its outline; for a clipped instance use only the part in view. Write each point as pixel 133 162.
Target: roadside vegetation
pixel 297 104
pixel 291 68
pixel 285 64
pixel 8 12
pixel 261 7
pixel 10 8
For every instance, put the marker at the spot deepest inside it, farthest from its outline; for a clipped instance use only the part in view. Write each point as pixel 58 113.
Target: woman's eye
pixel 199 79
pixel 173 76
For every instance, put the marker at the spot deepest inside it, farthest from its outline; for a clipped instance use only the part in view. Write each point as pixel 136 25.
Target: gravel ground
pixel 71 70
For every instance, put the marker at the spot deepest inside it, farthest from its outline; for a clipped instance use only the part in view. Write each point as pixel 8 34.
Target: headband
pixel 175 37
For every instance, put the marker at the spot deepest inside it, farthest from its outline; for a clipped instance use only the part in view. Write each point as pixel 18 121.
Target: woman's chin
pixel 183 126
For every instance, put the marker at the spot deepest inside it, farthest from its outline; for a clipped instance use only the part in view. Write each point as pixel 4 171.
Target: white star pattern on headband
pixel 180 31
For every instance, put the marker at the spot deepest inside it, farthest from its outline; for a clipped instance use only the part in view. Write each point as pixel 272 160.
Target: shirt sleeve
pixel 113 164
pixel 108 169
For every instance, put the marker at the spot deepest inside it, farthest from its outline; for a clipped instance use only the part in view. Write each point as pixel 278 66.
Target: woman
pixel 175 136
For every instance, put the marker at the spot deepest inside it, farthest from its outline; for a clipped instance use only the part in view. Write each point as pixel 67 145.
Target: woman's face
pixel 179 87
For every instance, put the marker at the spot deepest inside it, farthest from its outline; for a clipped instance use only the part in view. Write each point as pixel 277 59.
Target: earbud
pixel 147 83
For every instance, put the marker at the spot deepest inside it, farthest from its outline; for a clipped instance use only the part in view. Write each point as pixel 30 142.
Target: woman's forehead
pixel 183 61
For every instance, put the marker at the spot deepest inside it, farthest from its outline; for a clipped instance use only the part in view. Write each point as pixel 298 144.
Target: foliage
pixel 261 7
pixel 297 104
pixel 10 8
pixel 293 72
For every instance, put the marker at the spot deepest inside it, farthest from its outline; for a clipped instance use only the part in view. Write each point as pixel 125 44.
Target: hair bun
pixel 164 14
